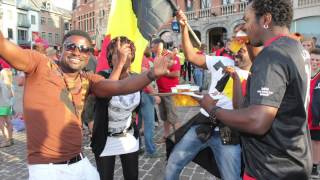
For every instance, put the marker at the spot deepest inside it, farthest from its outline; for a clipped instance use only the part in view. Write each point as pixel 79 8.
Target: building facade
pixel 54 22
pixel 23 19
pixel 91 16
pixel 213 20
pixel 8 23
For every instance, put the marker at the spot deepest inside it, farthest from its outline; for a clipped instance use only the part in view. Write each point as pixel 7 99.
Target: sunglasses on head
pixel 80 47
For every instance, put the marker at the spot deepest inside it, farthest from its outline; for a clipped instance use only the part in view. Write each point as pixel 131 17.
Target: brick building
pixel 91 16
pixel 213 20
pixel 54 22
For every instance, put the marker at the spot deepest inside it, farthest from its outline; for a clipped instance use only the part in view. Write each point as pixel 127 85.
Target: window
pixel 205 4
pixel 43 20
pixel 33 19
pixel 50 22
pixel 93 23
pixel 85 1
pixel 43 35
pixel 189 5
pixel 10 33
pixel 48 6
pixel 22 35
pixel 66 26
pixel 23 20
pixel 50 38
pixel 57 38
pixel 226 2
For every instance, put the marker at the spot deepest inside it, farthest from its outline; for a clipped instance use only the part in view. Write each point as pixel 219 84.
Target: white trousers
pixel 81 170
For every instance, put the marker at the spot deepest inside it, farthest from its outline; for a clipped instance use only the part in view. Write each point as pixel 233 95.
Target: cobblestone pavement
pixel 13 159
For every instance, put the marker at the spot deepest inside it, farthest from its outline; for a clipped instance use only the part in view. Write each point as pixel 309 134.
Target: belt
pixel 120 134
pixel 75 159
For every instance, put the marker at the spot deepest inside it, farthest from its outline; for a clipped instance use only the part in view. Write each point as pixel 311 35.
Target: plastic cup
pixel 238 41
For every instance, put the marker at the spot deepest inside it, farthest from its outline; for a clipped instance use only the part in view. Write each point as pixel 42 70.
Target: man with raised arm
pixel 54 96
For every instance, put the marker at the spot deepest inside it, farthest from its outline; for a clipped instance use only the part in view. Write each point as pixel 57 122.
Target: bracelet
pixel 212 114
pixel 151 75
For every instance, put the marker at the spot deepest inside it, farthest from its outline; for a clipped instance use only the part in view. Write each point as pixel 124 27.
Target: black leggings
pixel 130 166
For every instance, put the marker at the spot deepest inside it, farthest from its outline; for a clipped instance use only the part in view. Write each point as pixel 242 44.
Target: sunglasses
pixel 82 48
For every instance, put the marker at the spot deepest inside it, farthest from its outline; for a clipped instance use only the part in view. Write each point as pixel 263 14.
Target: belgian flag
pixel 138 20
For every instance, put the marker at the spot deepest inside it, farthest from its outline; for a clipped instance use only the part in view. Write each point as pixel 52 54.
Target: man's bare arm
pixel 189 52
pixel 255 119
pixel 13 54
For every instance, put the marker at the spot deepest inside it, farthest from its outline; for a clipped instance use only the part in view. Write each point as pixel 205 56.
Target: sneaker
pixel 154 155
pixel 315 173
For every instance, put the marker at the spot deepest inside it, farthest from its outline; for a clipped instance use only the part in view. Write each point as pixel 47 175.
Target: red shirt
pixel 313 85
pixel 165 83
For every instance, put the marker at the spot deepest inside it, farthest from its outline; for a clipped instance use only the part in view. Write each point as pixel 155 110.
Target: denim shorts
pixel 167 110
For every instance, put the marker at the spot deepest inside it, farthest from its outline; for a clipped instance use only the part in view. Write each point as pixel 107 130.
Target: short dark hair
pixel 77 33
pixel 281 10
pixel 113 43
pixel 315 51
pixel 158 41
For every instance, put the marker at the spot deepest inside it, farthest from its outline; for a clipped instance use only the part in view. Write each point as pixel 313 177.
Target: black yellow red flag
pixel 138 20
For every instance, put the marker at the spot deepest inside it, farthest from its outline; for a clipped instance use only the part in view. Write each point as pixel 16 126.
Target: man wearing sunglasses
pixel 53 102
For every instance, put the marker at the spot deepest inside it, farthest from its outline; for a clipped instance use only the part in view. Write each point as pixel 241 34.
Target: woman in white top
pixel 114 131
pixel 6 103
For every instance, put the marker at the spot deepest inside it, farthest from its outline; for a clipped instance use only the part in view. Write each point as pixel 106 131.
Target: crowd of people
pixel 263 124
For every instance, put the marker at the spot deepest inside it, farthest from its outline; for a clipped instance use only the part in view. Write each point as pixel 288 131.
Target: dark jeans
pixel 130 166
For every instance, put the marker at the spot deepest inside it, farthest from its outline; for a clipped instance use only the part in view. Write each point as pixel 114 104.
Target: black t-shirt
pixel 279 79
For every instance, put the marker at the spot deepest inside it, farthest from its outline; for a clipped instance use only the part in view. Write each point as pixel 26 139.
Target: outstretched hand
pixel 182 18
pixel 162 65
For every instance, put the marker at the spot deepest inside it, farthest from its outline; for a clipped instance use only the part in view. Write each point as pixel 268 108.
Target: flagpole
pixel 175 8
